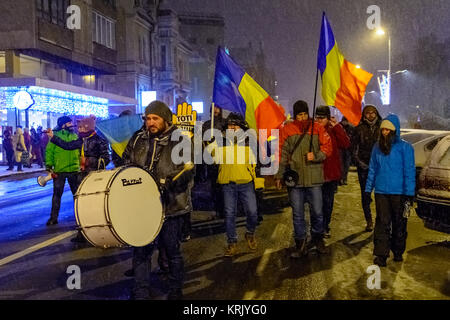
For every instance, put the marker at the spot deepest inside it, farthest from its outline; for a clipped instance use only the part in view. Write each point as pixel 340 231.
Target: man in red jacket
pixel 332 165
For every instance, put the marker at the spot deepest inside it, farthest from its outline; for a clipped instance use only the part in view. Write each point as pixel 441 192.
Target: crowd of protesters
pixel 315 154
pixel 24 147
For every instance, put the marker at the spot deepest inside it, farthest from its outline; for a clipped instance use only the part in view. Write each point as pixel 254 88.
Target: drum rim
pixel 108 217
pixel 108 221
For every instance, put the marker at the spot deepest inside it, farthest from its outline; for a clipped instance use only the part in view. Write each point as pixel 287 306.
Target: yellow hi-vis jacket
pixel 236 163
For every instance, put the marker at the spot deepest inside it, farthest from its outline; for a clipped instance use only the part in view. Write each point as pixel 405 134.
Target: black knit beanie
pixel 299 107
pixel 160 109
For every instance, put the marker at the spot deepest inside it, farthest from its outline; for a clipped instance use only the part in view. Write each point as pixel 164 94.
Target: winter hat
pixel 160 109
pixel 386 124
pixel 238 120
pixel 323 111
pixel 63 120
pixel 299 107
pixel 87 123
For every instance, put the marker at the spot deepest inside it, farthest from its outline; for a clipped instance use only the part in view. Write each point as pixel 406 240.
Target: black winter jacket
pixel 364 138
pixel 153 153
pixel 95 148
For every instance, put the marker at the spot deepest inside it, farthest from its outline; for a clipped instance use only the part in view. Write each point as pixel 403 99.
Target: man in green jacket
pixel 63 164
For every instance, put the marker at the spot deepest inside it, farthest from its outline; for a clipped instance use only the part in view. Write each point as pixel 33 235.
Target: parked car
pixel 433 198
pixel 423 142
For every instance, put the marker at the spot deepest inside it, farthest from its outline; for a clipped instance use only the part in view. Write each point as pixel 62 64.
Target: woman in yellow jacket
pixel 19 147
pixel 237 164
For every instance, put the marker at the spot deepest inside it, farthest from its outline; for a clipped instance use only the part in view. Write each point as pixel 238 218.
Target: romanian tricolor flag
pixel 236 91
pixel 343 84
pixel 119 131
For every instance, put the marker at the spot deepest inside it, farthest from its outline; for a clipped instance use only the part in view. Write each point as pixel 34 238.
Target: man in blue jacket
pixel 392 173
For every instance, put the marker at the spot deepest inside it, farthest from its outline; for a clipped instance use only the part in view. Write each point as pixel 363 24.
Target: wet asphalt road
pixel 266 274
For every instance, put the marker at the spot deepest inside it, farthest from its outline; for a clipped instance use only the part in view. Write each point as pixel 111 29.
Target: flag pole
pixel 212 120
pixel 314 110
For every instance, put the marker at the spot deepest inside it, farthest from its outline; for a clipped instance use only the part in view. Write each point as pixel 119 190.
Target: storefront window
pixel 2 62
pixel 30 66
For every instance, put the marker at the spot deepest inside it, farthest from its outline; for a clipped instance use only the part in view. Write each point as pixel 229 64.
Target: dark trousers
pixel 365 199
pixel 58 189
pixel 10 158
pixel 328 191
pixel 187 225
pixel 390 225
pixel 168 240
pixel 346 161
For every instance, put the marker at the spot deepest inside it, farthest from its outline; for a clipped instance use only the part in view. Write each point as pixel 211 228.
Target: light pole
pixel 385 82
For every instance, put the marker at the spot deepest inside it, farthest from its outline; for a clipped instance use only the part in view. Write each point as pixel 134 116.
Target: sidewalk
pixel 4 173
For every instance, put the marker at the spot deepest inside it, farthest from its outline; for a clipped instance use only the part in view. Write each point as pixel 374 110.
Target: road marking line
pixel 37 247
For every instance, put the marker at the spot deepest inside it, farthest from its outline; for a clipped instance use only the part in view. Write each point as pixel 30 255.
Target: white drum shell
pixel 119 207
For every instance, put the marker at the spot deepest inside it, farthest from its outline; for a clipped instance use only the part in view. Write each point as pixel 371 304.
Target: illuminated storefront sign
pixel 56 101
pixel 148 97
pixel 22 100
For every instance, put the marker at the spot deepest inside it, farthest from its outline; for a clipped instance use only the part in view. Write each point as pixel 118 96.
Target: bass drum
pixel 119 207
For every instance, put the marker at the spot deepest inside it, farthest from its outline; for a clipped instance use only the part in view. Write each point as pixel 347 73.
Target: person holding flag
pixel 296 139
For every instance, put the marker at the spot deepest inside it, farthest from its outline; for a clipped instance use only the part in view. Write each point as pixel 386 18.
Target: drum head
pixel 134 207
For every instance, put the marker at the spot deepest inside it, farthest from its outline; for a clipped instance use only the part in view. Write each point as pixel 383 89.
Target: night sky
pixel 290 30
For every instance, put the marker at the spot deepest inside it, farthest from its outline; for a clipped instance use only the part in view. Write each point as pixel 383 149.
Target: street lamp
pixel 385 82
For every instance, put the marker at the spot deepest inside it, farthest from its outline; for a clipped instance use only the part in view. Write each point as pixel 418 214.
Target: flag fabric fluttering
pixel 343 84
pixel 236 91
pixel 119 131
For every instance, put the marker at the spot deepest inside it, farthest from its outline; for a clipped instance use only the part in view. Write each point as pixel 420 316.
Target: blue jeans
pixel 297 198
pixel 169 239
pixel 245 193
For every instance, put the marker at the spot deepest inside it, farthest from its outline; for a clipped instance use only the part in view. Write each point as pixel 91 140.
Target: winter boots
pixel 318 243
pixel 300 249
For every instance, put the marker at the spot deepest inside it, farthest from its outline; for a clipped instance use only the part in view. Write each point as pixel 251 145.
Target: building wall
pixel 174 83
pixel 204 34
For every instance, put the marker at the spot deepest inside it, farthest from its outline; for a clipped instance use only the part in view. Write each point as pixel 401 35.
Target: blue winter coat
pixel 395 173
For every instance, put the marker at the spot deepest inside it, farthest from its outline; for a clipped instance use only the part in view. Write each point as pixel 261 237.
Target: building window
pixel 163 58
pixel 53 11
pixel 104 31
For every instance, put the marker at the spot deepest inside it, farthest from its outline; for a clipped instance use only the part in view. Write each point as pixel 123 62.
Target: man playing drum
pixel 151 148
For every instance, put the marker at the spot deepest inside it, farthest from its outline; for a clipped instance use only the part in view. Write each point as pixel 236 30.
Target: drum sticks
pixel 187 166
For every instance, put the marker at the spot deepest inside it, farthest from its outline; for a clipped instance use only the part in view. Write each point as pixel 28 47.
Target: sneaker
pixel 186 238
pixel 380 261
pixel 52 221
pixel 398 258
pixel 251 240
pixel 10 169
pixel 327 234
pixel 300 249
pixel 231 250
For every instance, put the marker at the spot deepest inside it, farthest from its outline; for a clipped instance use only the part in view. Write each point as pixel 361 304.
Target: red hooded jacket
pixel 332 165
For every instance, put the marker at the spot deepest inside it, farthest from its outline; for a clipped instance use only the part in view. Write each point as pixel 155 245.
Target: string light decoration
pixel 57 101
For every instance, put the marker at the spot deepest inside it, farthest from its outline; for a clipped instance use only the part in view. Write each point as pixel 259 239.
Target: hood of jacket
pixel 379 118
pixel 396 122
